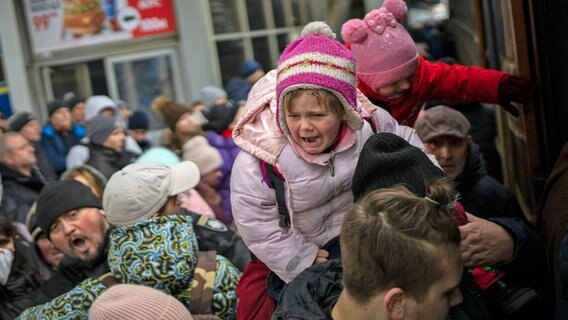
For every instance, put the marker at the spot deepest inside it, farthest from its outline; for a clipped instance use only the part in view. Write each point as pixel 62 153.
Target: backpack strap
pixel 203 283
pixel 275 180
pixel 371 123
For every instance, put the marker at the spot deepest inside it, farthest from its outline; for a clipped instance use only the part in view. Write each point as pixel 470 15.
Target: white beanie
pixel 206 157
pixel 128 301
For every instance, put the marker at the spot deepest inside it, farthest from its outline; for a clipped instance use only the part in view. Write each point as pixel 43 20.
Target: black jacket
pixel 481 194
pixel 212 234
pixel 108 161
pixel 15 295
pixel 20 192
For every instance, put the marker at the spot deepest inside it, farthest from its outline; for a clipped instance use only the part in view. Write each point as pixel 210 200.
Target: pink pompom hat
pixel 384 51
pixel 317 61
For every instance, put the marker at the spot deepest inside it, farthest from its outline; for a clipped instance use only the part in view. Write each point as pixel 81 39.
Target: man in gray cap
pixel 445 133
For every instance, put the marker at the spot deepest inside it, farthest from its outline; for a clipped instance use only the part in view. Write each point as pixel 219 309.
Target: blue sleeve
pixel 56 158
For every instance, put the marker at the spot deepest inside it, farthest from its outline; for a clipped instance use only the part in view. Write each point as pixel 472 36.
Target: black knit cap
pixel 55 105
pixel 59 197
pixel 388 160
pixel 19 119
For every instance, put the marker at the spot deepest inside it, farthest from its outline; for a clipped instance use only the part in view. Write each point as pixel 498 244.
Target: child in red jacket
pixel 392 74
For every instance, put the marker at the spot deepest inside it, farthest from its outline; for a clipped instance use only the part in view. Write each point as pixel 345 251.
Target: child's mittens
pixel 514 89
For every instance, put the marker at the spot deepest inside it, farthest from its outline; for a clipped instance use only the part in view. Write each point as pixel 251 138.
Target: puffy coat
pixel 229 151
pixel 318 189
pixel 160 253
pixel 439 81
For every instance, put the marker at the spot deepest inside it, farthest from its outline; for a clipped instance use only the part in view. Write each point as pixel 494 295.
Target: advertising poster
pixel 63 24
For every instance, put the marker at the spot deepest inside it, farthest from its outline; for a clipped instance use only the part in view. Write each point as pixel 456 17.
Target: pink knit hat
pixel 318 61
pixel 384 51
pixel 128 301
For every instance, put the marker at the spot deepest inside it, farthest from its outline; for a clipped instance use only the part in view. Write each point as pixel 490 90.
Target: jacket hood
pixel 257 131
pixel 95 104
pixel 160 252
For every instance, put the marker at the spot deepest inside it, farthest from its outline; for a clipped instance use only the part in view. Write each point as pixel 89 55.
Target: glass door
pixel 138 78
pixel 76 78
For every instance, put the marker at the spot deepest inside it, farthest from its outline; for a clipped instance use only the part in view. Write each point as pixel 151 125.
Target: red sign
pixel 63 24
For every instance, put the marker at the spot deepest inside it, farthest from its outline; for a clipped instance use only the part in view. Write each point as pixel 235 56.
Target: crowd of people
pixel 322 189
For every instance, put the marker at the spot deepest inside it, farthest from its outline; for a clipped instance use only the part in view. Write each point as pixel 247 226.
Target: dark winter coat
pixel 238 89
pixel 107 160
pixel 481 194
pixel 229 151
pixel 44 164
pixel 24 279
pixel 212 234
pixel 20 192
pixel 57 144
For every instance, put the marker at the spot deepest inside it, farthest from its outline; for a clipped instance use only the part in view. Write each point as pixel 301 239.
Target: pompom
pixel 159 103
pixel 397 8
pixel 318 28
pixel 354 31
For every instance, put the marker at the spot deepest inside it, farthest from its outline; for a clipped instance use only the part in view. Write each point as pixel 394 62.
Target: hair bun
pixel 318 28
pixel 159 103
pixel 397 8
pixel 354 31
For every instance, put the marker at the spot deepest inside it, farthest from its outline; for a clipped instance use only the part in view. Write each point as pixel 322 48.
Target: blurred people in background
pixel 239 86
pixel 60 134
pixel 138 125
pixel 21 179
pixel 27 125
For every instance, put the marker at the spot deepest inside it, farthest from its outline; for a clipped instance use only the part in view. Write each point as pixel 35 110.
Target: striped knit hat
pixel 317 61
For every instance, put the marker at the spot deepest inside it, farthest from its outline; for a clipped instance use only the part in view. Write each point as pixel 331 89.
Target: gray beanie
pixel 100 127
pixel 211 93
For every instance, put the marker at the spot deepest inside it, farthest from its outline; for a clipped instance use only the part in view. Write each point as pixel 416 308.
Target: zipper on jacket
pixel 330 164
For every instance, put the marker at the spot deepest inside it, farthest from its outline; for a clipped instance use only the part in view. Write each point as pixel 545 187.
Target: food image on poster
pixel 83 16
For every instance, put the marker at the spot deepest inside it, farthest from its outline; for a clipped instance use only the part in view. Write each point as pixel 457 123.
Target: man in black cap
pixel 73 219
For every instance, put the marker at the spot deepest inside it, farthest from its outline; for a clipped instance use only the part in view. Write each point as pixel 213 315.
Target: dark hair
pixel 6 227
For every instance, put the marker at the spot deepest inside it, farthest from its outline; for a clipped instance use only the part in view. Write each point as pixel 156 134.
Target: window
pixel 256 29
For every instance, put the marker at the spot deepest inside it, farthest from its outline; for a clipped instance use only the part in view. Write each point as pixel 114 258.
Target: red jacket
pixel 439 81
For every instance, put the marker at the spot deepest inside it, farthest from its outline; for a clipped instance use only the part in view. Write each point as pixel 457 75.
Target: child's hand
pixel 322 256
pixel 514 89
